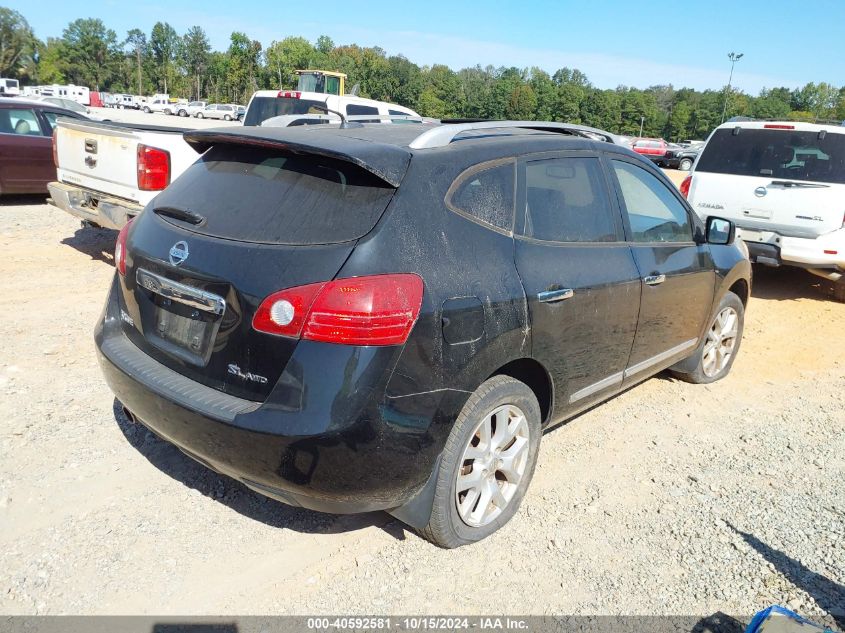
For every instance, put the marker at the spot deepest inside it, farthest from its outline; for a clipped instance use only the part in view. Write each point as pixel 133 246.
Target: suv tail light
pixel 120 249
pixel 153 168
pixel 55 149
pixel 685 186
pixel 375 310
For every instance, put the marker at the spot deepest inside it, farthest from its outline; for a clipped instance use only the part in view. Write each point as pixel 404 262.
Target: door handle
pixel 551 296
pixel 654 280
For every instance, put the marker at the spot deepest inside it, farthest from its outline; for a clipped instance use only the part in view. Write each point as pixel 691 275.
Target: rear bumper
pixel 91 206
pixel 337 451
pixel 824 252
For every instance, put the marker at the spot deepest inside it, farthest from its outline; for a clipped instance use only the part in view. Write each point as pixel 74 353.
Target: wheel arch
pixel 536 377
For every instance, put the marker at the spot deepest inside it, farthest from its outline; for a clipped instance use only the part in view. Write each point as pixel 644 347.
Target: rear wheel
pixel 486 465
pixel 147 110
pixel 839 290
pixel 685 164
pixel 199 115
pixel 717 353
pixel 226 117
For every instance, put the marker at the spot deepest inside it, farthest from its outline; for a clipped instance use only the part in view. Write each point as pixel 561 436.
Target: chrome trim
pixel 610 381
pixel 181 293
pixel 656 360
pixel 654 280
pixel 552 296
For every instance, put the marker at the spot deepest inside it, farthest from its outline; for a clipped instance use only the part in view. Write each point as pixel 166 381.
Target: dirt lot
pixel 671 498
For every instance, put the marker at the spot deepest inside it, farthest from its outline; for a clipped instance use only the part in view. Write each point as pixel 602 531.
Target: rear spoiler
pixel 385 161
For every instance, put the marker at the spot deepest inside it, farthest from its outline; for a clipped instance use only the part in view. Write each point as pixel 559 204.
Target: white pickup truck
pixel 108 172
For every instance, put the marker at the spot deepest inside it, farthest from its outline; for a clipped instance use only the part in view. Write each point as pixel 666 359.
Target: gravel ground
pixel 669 499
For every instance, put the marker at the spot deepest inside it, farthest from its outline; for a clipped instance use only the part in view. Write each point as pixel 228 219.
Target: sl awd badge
pixel 179 253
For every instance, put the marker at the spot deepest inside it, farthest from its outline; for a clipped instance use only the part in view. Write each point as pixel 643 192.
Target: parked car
pixel 121 101
pixel 191 108
pixel 266 104
pixel 687 155
pixel 783 183
pixel 26 148
pixel 67 104
pixel 160 103
pixel 284 313
pixel 241 113
pixel 656 150
pixel 225 111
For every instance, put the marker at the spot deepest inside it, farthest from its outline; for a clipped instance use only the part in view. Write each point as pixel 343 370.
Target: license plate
pixel 751 236
pixel 191 331
pixel 763 214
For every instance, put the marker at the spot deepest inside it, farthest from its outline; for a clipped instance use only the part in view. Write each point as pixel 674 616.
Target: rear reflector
pixel 153 168
pixel 685 186
pixel 831 252
pixel 774 126
pixel 376 310
pixel 120 249
pixel 289 94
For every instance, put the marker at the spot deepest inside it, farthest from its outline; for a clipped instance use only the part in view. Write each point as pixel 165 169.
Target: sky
pixel 614 42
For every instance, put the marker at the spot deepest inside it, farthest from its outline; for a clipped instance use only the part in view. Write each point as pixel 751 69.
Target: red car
pixel 26 144
pixel 657 150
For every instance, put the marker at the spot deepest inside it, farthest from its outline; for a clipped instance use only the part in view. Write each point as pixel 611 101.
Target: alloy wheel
pixel 492 466
pixel 720 343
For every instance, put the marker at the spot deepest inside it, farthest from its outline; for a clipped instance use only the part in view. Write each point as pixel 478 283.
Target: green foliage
pixel 184 65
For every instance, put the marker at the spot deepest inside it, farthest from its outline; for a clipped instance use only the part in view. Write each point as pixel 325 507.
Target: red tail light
pixel 376 310
pixel 289 94
pixel 55 149
pixel 120 249
pixel 685 186
pixel 153 168
pixel 775 126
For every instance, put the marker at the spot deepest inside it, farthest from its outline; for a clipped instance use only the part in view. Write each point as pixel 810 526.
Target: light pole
pixel 734 57
pixel 642 120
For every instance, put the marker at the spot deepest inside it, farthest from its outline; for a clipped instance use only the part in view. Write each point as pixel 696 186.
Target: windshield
pixel 263 108
pixel 293 199
pixel 778 154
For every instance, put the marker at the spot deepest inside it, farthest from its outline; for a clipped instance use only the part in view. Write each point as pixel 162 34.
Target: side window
pixel 400 113
pixel 567 201
pixel 654 212
pixel 486 194
pixel 52 116
pixel 18 121
pixel 354 109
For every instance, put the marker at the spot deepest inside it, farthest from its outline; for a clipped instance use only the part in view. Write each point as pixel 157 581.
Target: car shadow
pixel 788 283
pixel 96 242
pixel 829 595
pixel 236 496
pixel 23 199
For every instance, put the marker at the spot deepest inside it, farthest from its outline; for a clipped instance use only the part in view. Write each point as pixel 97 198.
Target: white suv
pixel 783 184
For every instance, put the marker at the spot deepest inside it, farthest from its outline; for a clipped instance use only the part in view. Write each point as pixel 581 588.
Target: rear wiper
pixel 180 214
pixel 792 183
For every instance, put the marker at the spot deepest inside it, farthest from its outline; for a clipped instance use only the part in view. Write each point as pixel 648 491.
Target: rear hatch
pixel 240 224
pixel 773 177
pixel 102 156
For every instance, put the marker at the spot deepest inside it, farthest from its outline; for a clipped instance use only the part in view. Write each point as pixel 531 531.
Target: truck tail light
pixel 289 94
pixel 685 186
pixel 55 148
pixel 775 126
pixel 120 249
pixel 374 310
pixel 153 168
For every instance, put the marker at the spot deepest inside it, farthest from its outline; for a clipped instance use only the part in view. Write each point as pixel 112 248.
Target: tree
pixel 164 45
pixel 243 62
pixel 284 57
pixel 136 40
pixel 91 52
pixel 17 43
pixel 325 44
pixel 522 103
pixel 195 51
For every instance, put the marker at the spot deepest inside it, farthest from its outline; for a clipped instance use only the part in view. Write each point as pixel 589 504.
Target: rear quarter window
pixel 266 196
pixel 486 193
pixel 263 108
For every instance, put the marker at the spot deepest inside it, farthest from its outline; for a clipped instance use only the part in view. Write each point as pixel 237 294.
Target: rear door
pixel 26 154
pixel 239 225
pixel 773 178
pixel 678 275
pixel 580 278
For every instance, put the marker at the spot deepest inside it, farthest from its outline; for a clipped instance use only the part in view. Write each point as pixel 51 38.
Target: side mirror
pixel 720 231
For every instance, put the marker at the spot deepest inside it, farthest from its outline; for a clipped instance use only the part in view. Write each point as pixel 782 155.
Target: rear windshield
pixel 262 195
pixel 263 108
pixel 778 154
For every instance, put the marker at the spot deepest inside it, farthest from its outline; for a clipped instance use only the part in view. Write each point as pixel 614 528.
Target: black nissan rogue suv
pixel 387 317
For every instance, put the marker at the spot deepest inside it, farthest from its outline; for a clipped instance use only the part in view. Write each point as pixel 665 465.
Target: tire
pixel 199 115
pixel 507 398
pixel 685 164
pixel 839 290
pixel 182 113
pixel 147 110
pixel 709 369
pixel 226 117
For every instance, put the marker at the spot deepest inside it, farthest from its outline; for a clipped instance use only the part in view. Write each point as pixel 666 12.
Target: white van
pixel 783 185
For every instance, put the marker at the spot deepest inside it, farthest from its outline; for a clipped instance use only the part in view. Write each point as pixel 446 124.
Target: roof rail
pixel 287 120
pixel 443 135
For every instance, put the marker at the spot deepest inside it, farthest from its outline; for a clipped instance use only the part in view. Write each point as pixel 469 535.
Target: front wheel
pixel 716 355
pixel 226 117
pixel 685 164
pixel 486 465
pixel 200 115
pixel 147 110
